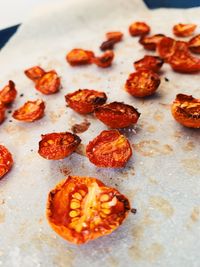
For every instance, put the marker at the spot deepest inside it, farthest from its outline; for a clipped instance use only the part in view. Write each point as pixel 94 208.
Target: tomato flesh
pixel 8 93
pixel 194 44
pixel 6 161
pixel 151 42
pixel 79 56
pixel 184 30
pixel 149 62
pixel 139 29
pixel 34 73
pixel 105 60
pixel 49 83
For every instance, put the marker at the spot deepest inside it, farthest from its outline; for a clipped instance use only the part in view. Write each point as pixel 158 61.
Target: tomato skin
pixel 165 47
pixel 151 42
pixel 34 73
pixel 186 110
pixel 112 39
pixel 105 60
pixel 84 101
pixel 91 222
pixel 8 93
pixel 184 30
pixel 194 44
pixel 117 115
pixel 2 112
pixel 6 161
pixel 149 62
pixel 30 111
pixel 78 56
pixel 55 146
pixel 49 83
pixel 139 29
pixel 142 83
pixel 109 149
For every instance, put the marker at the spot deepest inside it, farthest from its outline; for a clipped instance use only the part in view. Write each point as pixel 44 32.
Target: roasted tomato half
pixel 49 83
pixel 8 93
pixel 117 115
pixel 79 56
pixel 166 47
pixel 30 111
pixel 194 44
pixel 58 145
pixel 184 30
pixel 6 161
pixel 105 60
pixel 109 149
pixel 149 63
pixel 85 101
pixel 142 83
pixel 2 112
pixel 112 39
pixel 139 29
pixel 81 209
pixel 34 73
pixel 151 42
pixel 186 110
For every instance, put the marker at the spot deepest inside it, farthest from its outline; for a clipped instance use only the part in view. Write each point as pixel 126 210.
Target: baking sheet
pixel 162 180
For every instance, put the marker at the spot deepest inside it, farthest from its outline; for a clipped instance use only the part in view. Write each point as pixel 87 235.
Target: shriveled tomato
pixel 58 145
pixel 194 44
pixel 79 56
pixel 186 110
pixel 81 209
pixel 8 93
pixel 149 62
pixel 109 149
pixel 151 42
pixel 34 73
pixel 30 111
pixel 85 101
pixel 184 30
pixel 6 161
pixel 49 83
pixel 117 115
pixel 112 39
pixel 166 47
pixel 105 60
pixel 142 83
pixel 2 112
pixel 139 28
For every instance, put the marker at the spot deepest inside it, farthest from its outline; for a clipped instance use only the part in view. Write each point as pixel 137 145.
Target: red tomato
pixel 49 83
pixel 149 62
pixel 6 161
pixel 139 29
pixel 81 209
pixel 151 42
pixel 79 56
pixel 166 47
pixel 184 30
pixel 34 73
pixel 8 93
pixel 2 112
pixel 194 44
pixel 112 39
pixel 105 60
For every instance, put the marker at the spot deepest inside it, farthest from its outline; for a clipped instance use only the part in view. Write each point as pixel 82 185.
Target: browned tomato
pixel 6 161
pixel 112 39
pixel 58 145
pixel 49 83
pixel 149 62
pixel 85 101
pixel 8 93
pixel 105 60
pixel 139 29
pixel 194 44
pixel 186 110
pixel 2 112
pixel 30 111
pixel 109 149
pixel 79 56
pixel 81 209
pixel 34 73
pixel 117 115
pixel 166 47
pixel 142 83
pixel 151 42
pixel 184 30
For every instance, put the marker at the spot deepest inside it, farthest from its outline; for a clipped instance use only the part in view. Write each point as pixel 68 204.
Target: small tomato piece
pixel 49 83
pixel 194 44
pixel 139 29
pixel 2 112
pixel 58 145
pixel 117 115
pixel 109 149
pixel 6 161
pixel 149 62
pixel 8 93
pixel 34 73
pixel 116 36
pixel 151 42
pixel 166 47
pixel 186 110
pixel 184 30
pixel 79 56
pixel 30 111
pixel 85 101
pixel 81 209
pixel 105 60
pixel 142 83
pixel 107 45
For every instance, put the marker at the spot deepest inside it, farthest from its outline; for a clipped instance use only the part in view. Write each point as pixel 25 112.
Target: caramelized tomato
pixel 112 39
pixel 151 42
pixel 150 63
pixel 139 29
pixel 166 47
pixel 8 93
pixel 85 101
pixel 109 149
pixel 6 161
pixel 142 83
pixel 105 60
pixel 186 110
pixel 81 209
pixel 58 145
pixel 117 115
pixel 30 111
pixel 184 30
pixel 194 44
pixel 79 56
pixel 49 83
pixel 34 73
pixel 2 112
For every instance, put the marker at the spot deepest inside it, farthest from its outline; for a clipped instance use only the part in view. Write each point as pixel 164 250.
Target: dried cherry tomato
pixel 109 149
pixel 30 111
pixel 79 56
pixel 139 29
pixel 186 110
pixel 58 145
pixel 149 62
pixel 34 73
pixel 8 93
pixel 105 60
pixel 117 115
pixel 151 42
pixel 81 209
pixel 6 161
pixel 85 101
pixel 166 47
pixel 142 83
pixel 184 30
pixel 194 44
pixel 2 112
pixel 49 83
pixel 112 39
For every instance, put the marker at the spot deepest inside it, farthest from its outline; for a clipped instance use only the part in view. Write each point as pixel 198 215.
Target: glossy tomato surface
pixel 79 56
pixel 139 28
pixel 34 73
pixel 8 93
pixel 148 62
pixel 6 161
pixel 151 42
pixel 184 30
pixel 49 83
pixel 105 60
